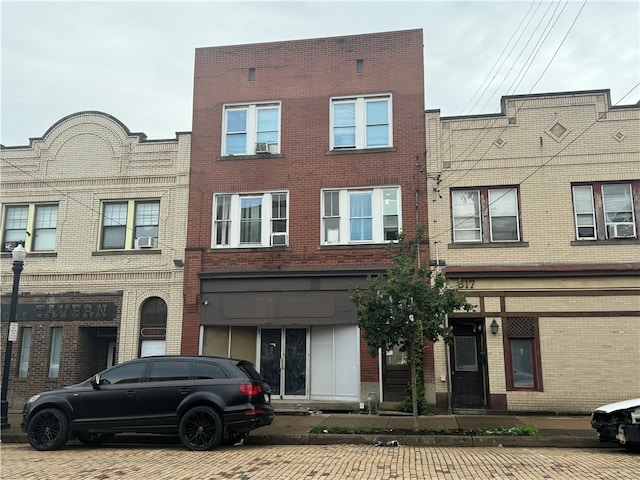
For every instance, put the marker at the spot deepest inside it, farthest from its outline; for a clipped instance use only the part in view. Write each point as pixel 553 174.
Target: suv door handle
pixel 184 391
pixel 130 393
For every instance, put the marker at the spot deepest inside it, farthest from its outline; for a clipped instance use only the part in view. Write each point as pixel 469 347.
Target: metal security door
pixel 283 361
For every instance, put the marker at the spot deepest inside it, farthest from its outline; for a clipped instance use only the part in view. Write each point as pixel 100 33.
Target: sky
pixel 134 60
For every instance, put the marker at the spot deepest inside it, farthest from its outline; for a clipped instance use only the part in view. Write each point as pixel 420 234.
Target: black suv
pixel 205 400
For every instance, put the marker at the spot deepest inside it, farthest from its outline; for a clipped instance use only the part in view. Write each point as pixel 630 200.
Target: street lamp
pixel 18 254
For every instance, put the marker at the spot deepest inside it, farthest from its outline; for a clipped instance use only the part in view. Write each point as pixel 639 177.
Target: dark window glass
pixel 154 313
pixel 250 371
pixel 168 371
pixel 208 371
pixel 130 373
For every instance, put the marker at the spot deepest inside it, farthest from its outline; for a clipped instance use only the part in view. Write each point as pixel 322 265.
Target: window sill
pixel 489 245
pixel 613 241
pixel 257 156
pixel 31 254
pixel 247 249
pixel 349 151
pixel 349 246
pixel 137 251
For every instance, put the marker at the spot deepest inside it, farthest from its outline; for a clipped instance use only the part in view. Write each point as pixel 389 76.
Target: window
pixel 130 224
pixel 169 371
pixel 25 352
pixel 208 371
pixel 250 220
pixel 360 216
pixel 251 129
pixel 359 123
pixel 56 347
pixel 39 220
pixel 606 210
pixel 129 373
pixel 522 361
pixel 502 224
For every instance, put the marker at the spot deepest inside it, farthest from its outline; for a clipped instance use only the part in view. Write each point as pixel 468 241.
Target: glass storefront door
pixel 283 361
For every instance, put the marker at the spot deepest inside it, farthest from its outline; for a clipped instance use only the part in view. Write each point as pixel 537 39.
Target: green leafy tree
pixel 407 305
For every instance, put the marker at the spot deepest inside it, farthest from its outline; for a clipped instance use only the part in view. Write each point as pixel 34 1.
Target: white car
pixel 619 422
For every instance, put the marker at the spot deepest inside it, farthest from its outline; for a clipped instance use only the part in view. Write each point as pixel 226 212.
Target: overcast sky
pixel 134 60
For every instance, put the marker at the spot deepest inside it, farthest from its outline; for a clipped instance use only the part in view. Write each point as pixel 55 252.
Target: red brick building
pixel 307 159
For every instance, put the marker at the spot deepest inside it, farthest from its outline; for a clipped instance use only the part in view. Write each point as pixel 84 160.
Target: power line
pixel 536 169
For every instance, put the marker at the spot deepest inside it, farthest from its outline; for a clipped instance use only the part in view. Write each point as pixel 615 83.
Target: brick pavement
pixel 162 462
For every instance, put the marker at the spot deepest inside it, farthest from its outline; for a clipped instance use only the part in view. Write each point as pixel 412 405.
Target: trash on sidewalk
pixel 390 443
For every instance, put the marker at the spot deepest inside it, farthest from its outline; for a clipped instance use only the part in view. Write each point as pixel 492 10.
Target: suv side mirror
pixel 95 381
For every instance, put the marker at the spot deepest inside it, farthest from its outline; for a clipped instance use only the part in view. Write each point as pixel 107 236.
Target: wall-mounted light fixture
pixel 494 327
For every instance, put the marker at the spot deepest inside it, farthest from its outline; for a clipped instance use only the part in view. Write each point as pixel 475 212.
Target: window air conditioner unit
pixel 146 242
pixel 621 230
pixel 262 147
pixel 278 239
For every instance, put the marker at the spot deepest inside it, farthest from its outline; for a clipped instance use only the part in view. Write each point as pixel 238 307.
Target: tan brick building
pixel 304 166
pixel 102 215
pixel 535 214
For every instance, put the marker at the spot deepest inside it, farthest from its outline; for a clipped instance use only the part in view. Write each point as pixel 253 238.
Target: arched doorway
pixel 153 327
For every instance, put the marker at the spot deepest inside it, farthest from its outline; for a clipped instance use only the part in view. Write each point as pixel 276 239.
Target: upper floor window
pixel 251 220
pixel 609 205
pixel 361 122
pixel 40 221
pixel 251 129
pixel 130 224
pixel 360 216
pixel 485 215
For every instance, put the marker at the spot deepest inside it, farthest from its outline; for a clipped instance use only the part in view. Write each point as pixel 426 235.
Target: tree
pixel 407 305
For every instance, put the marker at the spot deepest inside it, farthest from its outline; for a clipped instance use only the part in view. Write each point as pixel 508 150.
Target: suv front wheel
pixel 48 429
pixel 200 428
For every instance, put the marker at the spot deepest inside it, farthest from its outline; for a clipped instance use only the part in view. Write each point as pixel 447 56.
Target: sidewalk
pixel 559 432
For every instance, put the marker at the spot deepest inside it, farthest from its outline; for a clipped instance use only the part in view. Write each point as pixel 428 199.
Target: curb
pixel 549 441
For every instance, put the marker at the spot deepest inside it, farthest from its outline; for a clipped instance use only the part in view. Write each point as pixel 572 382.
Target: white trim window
pixel 250 220
pixel 251 129
pixel 39 219
pixel 360 215
pixel 584 212
pixel 610 205
pixel 502 223
pixel 361 122
pixel 56 348
pixel 25 352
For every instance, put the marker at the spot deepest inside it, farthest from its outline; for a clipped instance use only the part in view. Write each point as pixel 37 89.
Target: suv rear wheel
pixel 200 428
pixel 48 429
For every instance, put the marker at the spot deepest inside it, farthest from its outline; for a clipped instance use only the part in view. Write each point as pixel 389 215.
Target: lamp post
pixel 18 254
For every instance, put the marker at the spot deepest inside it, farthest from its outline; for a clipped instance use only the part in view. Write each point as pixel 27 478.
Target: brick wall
pixel 303 75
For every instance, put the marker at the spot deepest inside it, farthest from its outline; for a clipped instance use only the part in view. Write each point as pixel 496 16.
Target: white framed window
pixel 56 348
pixel 609 205
pixel 251 129
pixel 25 352
pixel 503 215
pixel 128 224
pixel 361 122
pixel 502 224
pixel 40 220
pixel 250 220
pixel 352 216
pixel 467 226
pixel 584 212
